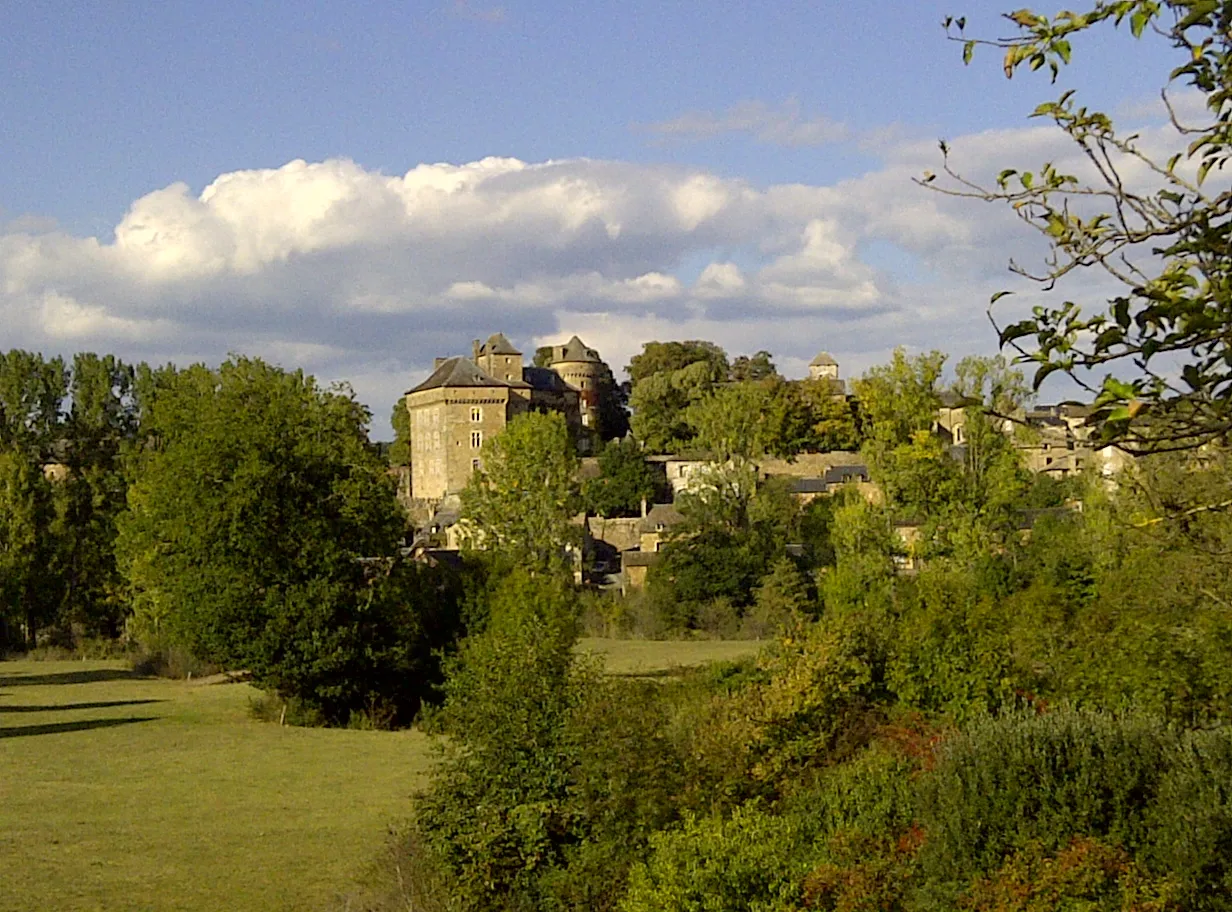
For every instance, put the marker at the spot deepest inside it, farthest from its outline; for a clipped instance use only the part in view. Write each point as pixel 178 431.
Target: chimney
pixel 643 508
pixel 437 362
pixel 475 351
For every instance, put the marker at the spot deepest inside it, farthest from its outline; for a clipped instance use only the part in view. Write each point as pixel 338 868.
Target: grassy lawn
pixel 127 793
pixel 130 793
pixel 648 657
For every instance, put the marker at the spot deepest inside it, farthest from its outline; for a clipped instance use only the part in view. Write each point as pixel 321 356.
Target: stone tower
pixel 581 368
pixel 823 367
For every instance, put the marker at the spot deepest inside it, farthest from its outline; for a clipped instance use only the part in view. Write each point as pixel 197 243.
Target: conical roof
pixel 824 359
pixel 497 344
pixel 575 350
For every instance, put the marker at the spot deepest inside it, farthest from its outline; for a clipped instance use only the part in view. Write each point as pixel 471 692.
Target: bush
pixel 163 660
pixel 1024 779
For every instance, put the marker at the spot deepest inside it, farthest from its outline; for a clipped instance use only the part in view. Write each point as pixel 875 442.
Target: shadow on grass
pixel 60 707
pixel 55 728
pixel 69 677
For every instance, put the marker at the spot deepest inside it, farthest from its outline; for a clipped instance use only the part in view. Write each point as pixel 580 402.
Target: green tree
pixel 758 367
pixel 1163 238
pixel 260 533
pixel 32 393
pixel 29 590
pixel 659 403
pixel 520 502
pixel 625 480
pixel 751 420
pixel 833 417
pixel 400 449
pixel 668 357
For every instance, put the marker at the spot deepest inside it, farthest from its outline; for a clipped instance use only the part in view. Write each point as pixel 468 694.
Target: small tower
pixel 581 368
pixel 823 367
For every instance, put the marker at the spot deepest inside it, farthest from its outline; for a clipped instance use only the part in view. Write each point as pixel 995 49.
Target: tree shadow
pixel 69 677
pixel 54 728
pixel 60 707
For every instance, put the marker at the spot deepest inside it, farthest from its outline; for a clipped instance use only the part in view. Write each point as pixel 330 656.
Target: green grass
pixel 131 793
pixel 125 793
pixel 654 657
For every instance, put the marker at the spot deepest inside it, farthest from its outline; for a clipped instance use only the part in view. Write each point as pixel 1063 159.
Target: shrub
pixel 1024 779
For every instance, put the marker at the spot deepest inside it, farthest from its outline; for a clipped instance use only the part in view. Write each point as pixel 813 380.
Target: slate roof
pixel 575 350
pixel 665 515
pixel 456 372
pixel 542 378
pixel 823 358
pixel 497 344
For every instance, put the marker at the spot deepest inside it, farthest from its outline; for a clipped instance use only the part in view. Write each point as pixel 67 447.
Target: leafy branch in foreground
pixel 1155 224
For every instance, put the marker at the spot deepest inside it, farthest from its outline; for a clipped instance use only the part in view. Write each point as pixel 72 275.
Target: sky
pixel 354 189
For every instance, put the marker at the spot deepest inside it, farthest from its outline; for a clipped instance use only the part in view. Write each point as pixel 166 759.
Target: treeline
pixel 236 516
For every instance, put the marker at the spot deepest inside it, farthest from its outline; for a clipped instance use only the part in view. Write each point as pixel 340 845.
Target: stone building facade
pixel 465 401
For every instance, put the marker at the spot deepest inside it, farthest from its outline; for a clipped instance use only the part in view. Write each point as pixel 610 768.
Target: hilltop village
pixel 468 400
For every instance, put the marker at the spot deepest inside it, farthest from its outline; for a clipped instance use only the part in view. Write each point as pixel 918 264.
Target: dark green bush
pixel 1025 779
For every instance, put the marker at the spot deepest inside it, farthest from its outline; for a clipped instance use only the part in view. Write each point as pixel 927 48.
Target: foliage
pixel 526 811
pixel 29 588
pixel 249 523
pixel 624 481
pixel 1162 234
pixel 400 449
pixel 521 499
pixel 659 403
pixel 752 861
pixel 833 416
pixel 756 367
pixel 669 357
pixel 751 420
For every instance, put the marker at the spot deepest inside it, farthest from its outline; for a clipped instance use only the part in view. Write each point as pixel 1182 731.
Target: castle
pixel 465 401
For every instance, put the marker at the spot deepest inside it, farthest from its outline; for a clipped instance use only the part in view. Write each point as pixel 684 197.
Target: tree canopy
pixel 522 497
pixel 1151 221
pixel 261 531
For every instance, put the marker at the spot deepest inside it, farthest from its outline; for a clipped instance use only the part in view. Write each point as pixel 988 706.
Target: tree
pixel 758 367
pixel 659 402
pixel 524 495
pixel 751 420
pixel 400 449
pixel 32 392
pixel 833 417
pixel 28 587
pixel 261 532
pixel 625 480
pixel 1165 340
pixel 668 357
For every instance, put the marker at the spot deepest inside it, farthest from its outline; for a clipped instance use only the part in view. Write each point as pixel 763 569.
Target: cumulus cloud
pixel 362 276
pixel 781 125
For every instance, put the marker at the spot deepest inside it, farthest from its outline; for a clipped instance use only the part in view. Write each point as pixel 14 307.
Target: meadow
pixel 124 792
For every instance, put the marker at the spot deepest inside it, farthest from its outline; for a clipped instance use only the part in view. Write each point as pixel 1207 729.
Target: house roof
pixel 665 515
pixel 497 344
pixel 456 372
pixel 575 350
pixel 823 359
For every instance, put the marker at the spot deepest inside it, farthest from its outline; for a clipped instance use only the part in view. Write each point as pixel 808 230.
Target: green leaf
pixel 1063 50
pixel 968 51
pixel 998 296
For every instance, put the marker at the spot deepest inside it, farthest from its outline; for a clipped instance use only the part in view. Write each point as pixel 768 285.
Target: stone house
pixel 465 401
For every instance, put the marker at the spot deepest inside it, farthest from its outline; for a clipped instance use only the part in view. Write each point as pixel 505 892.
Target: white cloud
pixel 354 274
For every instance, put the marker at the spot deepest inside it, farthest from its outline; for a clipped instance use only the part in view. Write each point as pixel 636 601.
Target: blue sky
pixel 738 171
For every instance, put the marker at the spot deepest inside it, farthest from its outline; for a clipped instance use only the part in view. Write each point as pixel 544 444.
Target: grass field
pixel 653 657
pixel 126 793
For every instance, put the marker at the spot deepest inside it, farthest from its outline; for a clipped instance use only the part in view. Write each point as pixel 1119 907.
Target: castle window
pixel 476 439
pixel 476 413
pixel 474 465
